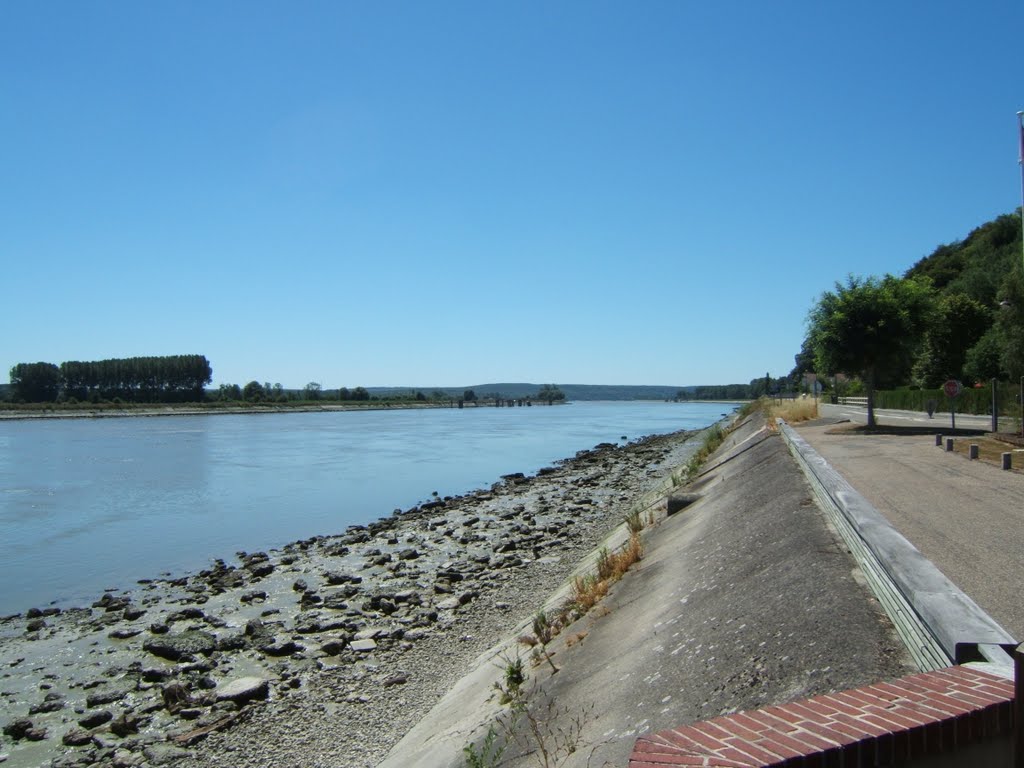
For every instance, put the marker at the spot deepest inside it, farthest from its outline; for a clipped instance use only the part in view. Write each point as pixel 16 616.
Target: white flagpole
pixel 1020 162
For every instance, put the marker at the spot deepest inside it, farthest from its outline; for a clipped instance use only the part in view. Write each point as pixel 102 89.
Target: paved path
pixel 965 516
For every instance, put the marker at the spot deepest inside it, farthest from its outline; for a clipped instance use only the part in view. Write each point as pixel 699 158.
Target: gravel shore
pixel 322 653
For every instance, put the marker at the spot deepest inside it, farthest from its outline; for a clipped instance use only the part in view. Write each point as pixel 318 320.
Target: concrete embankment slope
pixel 743 599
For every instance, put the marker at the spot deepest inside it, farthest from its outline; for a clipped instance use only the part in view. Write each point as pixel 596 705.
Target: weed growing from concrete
pixel 514 679
pixel 589 589
pixel 634 521
pixel 490 751
pixel 713 439
pixel 544 631
pixel 535 725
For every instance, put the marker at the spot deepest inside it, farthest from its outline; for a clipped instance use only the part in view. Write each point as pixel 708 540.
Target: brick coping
pixel 880 724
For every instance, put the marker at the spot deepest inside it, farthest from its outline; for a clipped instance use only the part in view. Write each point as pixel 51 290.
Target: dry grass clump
pixel 713 439
pixel 588 590
pixel 575 639
pixel 792 411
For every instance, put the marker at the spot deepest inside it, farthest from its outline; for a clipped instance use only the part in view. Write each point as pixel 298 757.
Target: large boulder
pixel 181 646
pixel 243 690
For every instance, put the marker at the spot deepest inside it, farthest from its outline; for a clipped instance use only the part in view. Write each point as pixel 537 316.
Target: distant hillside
pixel 572 391
pixel 589 391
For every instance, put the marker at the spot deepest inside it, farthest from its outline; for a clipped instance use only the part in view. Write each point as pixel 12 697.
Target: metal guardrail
pixel 861 401
pixel 938 623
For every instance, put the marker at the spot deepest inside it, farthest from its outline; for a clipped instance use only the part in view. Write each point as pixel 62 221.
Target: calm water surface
pixel 91 504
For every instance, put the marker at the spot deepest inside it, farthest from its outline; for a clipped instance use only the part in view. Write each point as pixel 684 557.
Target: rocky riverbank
pixel 322 653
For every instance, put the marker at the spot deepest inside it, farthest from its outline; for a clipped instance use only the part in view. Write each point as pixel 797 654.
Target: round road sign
pixel 952 388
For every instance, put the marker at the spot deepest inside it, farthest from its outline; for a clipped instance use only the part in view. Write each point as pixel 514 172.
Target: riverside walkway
pixel 965 516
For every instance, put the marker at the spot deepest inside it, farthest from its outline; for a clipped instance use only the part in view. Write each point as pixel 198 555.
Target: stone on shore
pixel 243 690
pixel 181 646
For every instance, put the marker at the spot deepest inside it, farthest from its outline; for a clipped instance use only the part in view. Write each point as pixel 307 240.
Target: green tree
pixel 870 327
pixel 550 393
pixel 253 392
pixel 312 391
pixel 984 359
pixel 469 396
pixel 360 393
pixel 1010 322
pixel 804 361
pixel 35 382
pixel 957 325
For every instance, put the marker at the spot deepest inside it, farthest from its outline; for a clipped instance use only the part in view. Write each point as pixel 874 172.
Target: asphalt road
pixel 965 516
pixel 891 417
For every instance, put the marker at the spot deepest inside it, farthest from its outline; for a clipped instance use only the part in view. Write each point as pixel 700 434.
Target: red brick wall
pixel 893 723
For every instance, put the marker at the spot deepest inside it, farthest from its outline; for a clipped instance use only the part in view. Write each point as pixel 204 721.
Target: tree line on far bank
pixel 955 314
pixel 254 392
pixel 183 379
pixel 167 379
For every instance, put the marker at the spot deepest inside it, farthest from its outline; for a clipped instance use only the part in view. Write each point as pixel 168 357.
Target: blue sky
pixel 453 193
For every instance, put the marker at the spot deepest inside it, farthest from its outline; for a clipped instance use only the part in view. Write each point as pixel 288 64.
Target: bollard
pixel 1007 460
pixel 972 452
pixel 949 443
pixel 938 439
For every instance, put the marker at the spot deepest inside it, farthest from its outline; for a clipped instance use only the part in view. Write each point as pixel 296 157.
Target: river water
pixel 93 504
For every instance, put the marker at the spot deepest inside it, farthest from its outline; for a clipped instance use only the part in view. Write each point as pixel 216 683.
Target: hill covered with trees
pixel 957 313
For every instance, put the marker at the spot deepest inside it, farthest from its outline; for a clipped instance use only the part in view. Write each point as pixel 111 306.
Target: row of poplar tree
pixel 165 379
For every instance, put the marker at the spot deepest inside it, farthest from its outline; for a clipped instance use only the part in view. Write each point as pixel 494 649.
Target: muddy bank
pixel 321 653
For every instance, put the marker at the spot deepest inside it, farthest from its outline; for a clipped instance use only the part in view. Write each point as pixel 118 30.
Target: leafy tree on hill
pixel 985 267
pixel 977 265
pixel 1009 325
pixel 958 324
pixel 870 327
pixel 984 360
